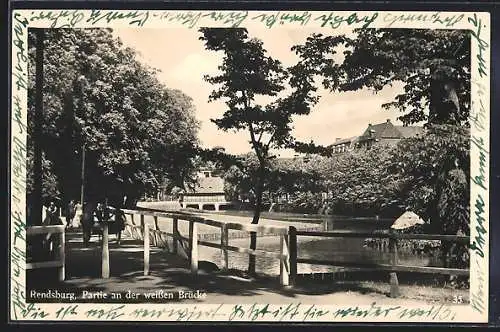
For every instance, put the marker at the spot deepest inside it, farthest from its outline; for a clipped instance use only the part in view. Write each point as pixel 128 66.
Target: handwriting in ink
pixel 189 19
pixel 18 115
pixel 373 311
pixel 33 312
pixel 291 311
pixel 65 311
pixel 18 156
pixel 135 17
pixel 183 314
pixel 17 297
pixel 477 296
pixel 17 261
pixel 256 311
pixel 480 179
pixel 18 189
pixel 483 45
pixel 448 20
pixel 20 25
pixel 270 19
pixel 479 118
pixel 335 21
pixel 147 313
pixel 235 19
pixel 479 241
pixel 69 17
pixel 313 313
pixel 441 312
pixel 19 226
pixel 110 314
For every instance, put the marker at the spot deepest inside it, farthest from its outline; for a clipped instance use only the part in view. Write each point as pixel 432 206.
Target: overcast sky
pixel 183 61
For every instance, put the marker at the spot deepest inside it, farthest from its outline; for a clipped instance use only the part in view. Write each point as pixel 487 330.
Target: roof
pixel 345 140
pixel 382 130
pixel 409 131
pixel 210 185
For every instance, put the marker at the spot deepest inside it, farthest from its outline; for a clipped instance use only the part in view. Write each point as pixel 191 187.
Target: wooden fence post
pixel 293 254
pixel 284 260
pixel 393 246
pixel 224 240
pixel 62 256
pixel 146 249
pixel 175 232
pixel 193 246
pixel 132 218
pixel 156 223
pixel 105 251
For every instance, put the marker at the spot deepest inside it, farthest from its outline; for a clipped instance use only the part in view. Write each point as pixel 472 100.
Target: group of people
pixel 90 217
pixel 96 215
pixel 74 211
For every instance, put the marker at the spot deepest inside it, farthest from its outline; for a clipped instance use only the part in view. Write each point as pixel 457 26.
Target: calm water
pixel 338 249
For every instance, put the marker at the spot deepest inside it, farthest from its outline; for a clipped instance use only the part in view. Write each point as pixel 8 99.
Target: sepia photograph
pixel 241 165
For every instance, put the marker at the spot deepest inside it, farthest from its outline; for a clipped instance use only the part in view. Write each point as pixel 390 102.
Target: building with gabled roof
pixel 208 193
pixel 384 133
pixel 345 144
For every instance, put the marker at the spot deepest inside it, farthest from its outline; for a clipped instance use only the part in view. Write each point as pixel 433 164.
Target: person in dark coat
pixel 87 221
pixel 70 213
pixel 51 241
pixel 52 218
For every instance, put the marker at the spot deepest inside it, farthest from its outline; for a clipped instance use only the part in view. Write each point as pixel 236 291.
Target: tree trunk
pixel 68 171
pixel 444 106
pixel 36 215
pixel 256 216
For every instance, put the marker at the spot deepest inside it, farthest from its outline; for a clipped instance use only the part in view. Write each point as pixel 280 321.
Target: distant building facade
pixel 208 194
pixel 385 133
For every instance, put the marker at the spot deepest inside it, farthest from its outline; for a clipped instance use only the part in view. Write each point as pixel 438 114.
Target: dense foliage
pixel 98 97
pixel 297 179
pixel 428 174
pixel 433 65
pixel 246 73
pixel 432 173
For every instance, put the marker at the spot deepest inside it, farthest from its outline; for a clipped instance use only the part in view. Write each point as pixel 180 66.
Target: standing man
pixel 70 213
pixel 51 218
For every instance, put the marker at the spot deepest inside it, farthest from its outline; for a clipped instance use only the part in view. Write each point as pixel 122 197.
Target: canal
pixel 338 249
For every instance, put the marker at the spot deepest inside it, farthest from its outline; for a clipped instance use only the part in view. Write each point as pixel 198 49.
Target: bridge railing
pixel 148 235
pixel 394 265
pixel 49 231
pixel 288 245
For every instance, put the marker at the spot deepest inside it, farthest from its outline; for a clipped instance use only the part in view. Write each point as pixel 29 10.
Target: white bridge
pixel 205 202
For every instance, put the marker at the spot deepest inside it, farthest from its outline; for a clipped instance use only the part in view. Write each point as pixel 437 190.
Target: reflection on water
pixel 338 249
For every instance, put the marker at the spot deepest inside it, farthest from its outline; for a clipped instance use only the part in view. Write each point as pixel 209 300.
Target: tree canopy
pixel 97 96
pixel 246 73
pixel 433 65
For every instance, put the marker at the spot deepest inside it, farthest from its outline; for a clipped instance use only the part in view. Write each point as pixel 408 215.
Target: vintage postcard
pixel 249 166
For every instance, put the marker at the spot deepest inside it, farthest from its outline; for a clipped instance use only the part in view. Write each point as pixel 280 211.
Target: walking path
pixel 170 274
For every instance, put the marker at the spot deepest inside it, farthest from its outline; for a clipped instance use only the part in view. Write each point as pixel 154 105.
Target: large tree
pixel 247 72
pixel 101 101
pixel 433 65
pixel 359 181
pixel 434 68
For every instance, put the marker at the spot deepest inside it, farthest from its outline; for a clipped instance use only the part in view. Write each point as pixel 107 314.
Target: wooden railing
pixel 151 237
pixel 392 268
pixel 61 255
pixel 288 245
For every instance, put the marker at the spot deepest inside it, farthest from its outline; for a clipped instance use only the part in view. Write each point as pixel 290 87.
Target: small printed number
pixel 458 299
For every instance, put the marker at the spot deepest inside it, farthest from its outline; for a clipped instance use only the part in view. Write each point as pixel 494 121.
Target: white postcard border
pixel 477 22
